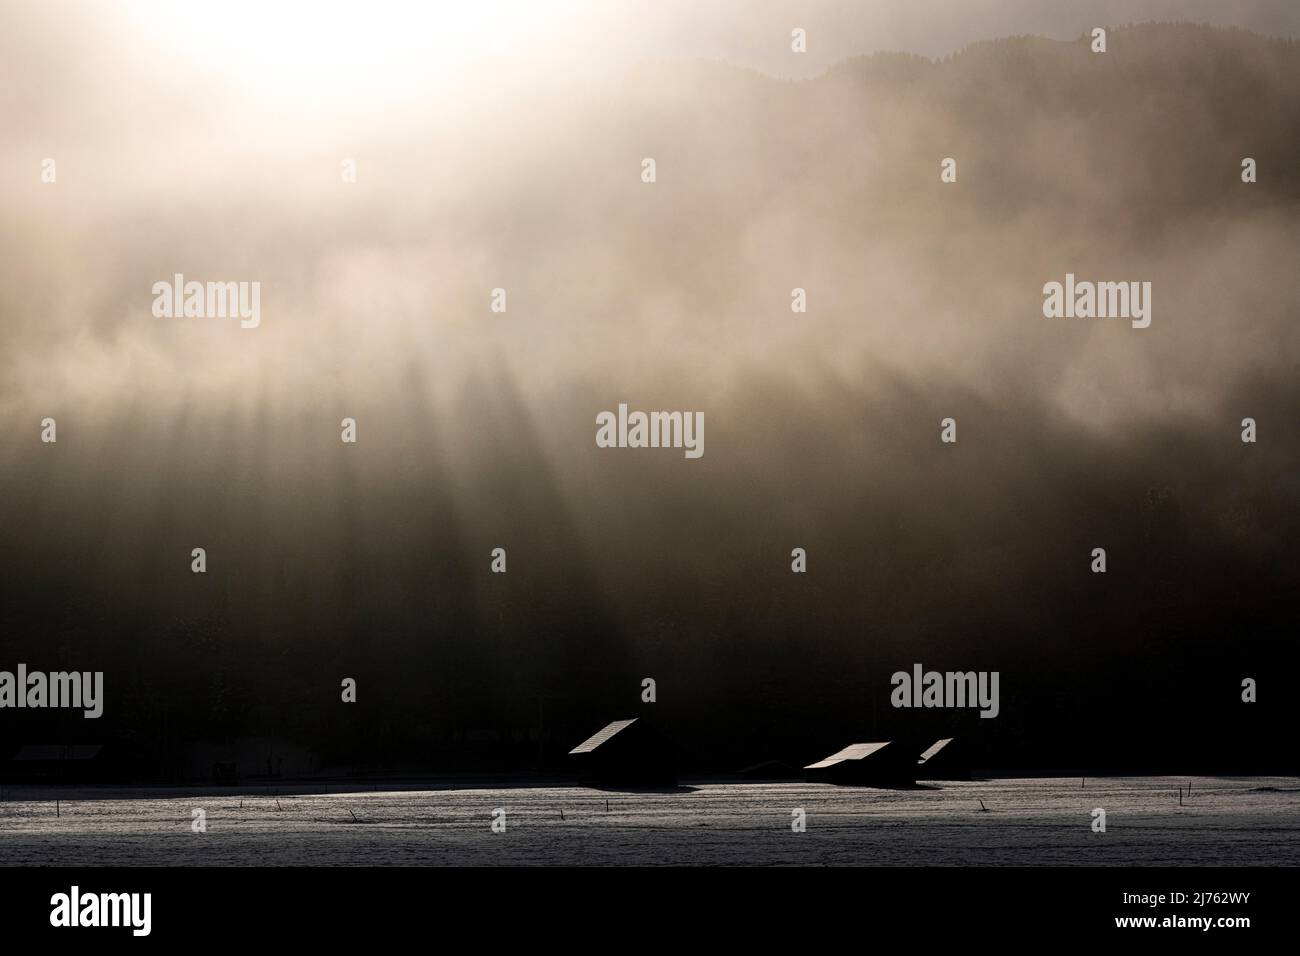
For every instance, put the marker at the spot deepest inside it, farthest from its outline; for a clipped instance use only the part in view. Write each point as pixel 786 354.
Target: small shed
pixel 770 770
pixel 881 764
pixel 626 753
pixel 945 759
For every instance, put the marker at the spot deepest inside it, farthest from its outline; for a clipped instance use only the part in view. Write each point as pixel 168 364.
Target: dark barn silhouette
pixel 945 759
pixel 881 764
pixel 625 753
pixel 770 770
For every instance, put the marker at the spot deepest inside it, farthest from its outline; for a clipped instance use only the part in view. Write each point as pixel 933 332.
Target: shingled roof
pixel 851 752
pixel 602 735
pixel 935 748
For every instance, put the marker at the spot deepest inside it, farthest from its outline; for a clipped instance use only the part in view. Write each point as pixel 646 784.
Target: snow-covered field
pixel 1232 821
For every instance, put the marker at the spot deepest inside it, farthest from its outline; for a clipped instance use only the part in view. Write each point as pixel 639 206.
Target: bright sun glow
pixel 339 51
